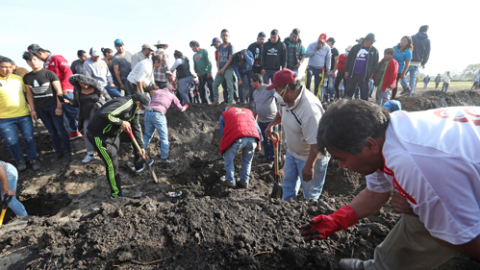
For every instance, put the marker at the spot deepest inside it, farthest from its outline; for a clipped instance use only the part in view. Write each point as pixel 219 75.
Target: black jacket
pixel 372 62
pixel 77 104
pixel 108 119
pixel 274 55
pixel 257 51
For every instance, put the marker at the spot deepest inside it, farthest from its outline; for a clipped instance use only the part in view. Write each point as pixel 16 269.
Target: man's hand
pixel 126 126
pixel 346 75
pixel 34 114
pixel 262 72
pixel 239 82
pixel 198 74
pixel 209 75
pixel 66 101
pixel 296 66
pixel 402 76
pixel 112 85
pixel 221 72
pixel 319 46
pixel 142 152
pixel 268 131
pixel 401 204
pixel 8 192
pixel 122 86
pixel 245 53
pixel 327 74
pixel 307 173
pixel 58 111
pixel 334 76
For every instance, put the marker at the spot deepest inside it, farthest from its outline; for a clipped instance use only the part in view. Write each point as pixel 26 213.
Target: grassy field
pixel 454 86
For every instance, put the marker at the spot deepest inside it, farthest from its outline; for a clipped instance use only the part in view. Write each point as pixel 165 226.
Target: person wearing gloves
pixel 429 158
pixel 89 95
pixel 386 77
pixel 140 79
pixel 98 70
pixel 109 126
pixel 162 99
pixel 240 133
pixel 319 62
pixel 243 64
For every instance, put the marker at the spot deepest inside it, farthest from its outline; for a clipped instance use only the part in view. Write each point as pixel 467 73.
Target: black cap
pixel 331 39
pixel 371 37
pixel 261 34
pixel 274 32
pixel 144 100
pixel 35 48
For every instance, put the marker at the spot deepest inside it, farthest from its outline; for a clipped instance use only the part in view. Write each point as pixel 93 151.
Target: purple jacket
pixel 162 99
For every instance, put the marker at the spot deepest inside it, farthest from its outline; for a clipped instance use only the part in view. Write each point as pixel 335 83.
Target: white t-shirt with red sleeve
pixel 433 159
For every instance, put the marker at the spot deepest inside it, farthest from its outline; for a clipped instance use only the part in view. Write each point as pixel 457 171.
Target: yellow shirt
pixel 12 97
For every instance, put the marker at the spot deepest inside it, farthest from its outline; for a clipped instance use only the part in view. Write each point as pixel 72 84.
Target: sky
pixel 63 27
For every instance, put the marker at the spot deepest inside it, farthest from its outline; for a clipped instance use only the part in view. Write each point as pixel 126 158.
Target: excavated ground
pixel 74 224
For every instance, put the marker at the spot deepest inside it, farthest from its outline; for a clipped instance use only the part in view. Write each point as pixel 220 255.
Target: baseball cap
pixel 371 37
pixel 393 105
pixel 35 48
pixel 147 46
pixel 360 39
pixel 118 42
pixel 322 37
pixel 144 100
pixel 261 34
pixel 215 40
pixel 282 77
pixel 95 51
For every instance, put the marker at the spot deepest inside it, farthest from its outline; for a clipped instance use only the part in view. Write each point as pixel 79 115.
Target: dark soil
pixel 76 226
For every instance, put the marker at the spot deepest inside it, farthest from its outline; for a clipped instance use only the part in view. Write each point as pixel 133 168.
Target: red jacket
pixel 342 60
pixel 239 123
pixel 59 65
pixel 390 76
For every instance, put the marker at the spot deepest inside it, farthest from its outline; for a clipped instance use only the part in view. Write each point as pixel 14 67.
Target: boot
pixel 351 264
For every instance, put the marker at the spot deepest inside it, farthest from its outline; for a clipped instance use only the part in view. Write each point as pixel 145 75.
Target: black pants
pixel 394 90
pixel 107 149
pixel 338 80
pixel 203 91
pixel 357 80
pixel 249 95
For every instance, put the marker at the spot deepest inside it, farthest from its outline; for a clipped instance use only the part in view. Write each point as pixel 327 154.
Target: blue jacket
pixel 421 48
pixel 247 64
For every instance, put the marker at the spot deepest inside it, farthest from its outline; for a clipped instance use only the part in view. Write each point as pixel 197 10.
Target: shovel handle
pixel 275 139
pixel 129 132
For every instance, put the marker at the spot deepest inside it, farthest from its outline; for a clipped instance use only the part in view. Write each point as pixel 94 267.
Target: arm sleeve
pixel 194 65
pixel 377 182
pixel 142 74
pixel 328 60
pixel 303 50
pixel 249 57
pixel 177 103
pixel 109 75
pixel 408 55
pixel 65 73
pixel 87 68
pixel 114 109
pixel 310 126
pixel 263 57
pixel 222 124
pixel 137 131
pixel 259 130
pixel 177 62
pixel 310 50
pixel 284 56
pixel 209 67
pixel 426 54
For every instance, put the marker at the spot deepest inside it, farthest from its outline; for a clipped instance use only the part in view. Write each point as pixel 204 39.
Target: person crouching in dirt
pixel 241 133
pixel 105 132
pixel 162 99
pixel 299 113
pixel 430 158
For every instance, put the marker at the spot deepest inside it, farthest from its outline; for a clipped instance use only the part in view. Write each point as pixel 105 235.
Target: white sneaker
pixel 88 158
pixel 140 111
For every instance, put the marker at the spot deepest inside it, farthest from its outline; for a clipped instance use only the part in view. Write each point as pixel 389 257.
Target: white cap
pixel 95 52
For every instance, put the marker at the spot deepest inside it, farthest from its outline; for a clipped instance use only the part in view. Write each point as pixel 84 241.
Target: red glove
pixel 185 107
pixel 322 226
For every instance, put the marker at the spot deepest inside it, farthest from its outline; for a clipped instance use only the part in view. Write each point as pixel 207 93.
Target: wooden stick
pixel 261 252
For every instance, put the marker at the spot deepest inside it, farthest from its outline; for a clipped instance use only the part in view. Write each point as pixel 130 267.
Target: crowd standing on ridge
pixel 100 99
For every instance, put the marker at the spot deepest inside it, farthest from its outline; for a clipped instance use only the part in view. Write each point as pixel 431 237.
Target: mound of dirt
pixel 438 99
pixel 74 224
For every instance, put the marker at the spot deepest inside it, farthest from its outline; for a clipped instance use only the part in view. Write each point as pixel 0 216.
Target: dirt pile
pixel 438 99
pixel 208 227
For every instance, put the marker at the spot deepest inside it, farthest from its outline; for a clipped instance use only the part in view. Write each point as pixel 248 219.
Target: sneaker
pixel 88 158
pixel 21 165
pixel 56 157
pixel 224 182
pixel 35 165
pixel 119 196
pixel 166 161
pixel 74 135
pixel 404 91
pixel 67 157
pixel 241 185
pixel 252 104
pixel 150 162
pixel 140 111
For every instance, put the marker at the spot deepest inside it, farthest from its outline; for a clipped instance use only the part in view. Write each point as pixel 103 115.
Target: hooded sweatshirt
pixel 421 45
pixel 99 71
pixel 257 56
pixel 274 55
pixel 246 65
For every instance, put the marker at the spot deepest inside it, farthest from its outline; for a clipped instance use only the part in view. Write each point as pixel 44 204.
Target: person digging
pixel 109 126
pixel 241 133
pixel 430 158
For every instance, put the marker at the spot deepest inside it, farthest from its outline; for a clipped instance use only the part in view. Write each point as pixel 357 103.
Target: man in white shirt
pixel 299 113
pixel 142 55
pixel 430 157
pixel 446 81
pixel 141 78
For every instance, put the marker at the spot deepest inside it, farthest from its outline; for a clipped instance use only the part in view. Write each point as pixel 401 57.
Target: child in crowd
pixel 386 77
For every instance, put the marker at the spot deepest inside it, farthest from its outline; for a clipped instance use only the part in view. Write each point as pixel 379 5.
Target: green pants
pixel 227 75
pixel 409 246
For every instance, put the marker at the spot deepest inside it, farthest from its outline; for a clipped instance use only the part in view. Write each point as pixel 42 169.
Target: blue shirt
pixel 222 126
pixel 401 57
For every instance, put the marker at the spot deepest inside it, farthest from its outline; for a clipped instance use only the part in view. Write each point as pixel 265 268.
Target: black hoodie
pixel 274 55
pixel 257 56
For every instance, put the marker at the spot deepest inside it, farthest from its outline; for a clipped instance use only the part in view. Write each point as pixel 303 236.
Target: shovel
pixel 277 191
pixel 6 200
pixel 144 156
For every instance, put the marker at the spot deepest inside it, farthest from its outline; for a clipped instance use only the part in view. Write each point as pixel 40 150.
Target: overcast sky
pixel 63 27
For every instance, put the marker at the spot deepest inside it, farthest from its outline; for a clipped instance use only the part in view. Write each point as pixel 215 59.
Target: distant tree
pixel 470 70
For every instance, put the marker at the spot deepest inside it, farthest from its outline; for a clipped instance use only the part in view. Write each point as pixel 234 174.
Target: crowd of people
pixel 103 98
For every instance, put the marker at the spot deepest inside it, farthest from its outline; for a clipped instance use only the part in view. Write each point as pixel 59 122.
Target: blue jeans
pixel 8 128
pixel 353 82
pixel 267 143
pixel 413 70
pixel 55 127
pixel 184 91
pixel 268 75
pixel 16 206
pixel 293 178
pixel 445 87
pixel 318 74
pixel 156 120
pixel 113 92
pixel 247 146
pixel 127 91
pixel 70 114
pixel 330 88
pixel 296 71
pixel 225 89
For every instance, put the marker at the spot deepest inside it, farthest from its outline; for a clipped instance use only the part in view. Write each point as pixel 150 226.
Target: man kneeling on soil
pixel 299 113
pixel 105 131
pixel 430 157
pixel 241 133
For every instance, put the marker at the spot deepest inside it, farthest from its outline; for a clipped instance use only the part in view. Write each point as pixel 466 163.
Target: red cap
pixel 282 77
pixel 322 37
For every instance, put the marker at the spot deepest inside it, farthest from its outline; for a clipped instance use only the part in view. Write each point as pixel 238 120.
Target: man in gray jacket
pixel 319 62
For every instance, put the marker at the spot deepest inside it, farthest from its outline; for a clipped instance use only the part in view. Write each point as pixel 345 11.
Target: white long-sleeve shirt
pixel 142 72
